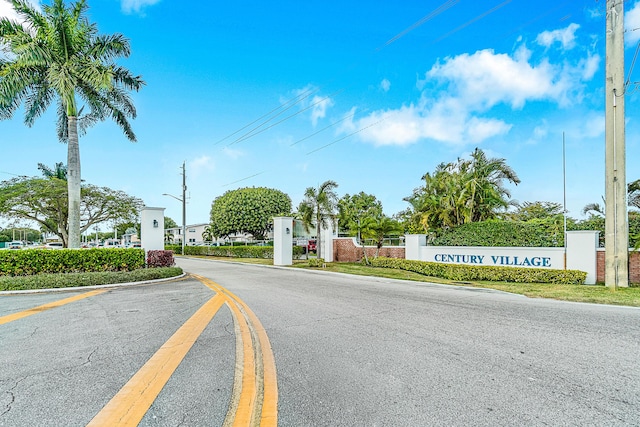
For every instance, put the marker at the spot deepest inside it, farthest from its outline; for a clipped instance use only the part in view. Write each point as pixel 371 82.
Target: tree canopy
pixel 354 209
pixel 248 210
pixel 44 201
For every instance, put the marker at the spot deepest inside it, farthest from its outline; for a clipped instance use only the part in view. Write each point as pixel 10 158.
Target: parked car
pixel 311 246
pixel 54 245
pixel 16 244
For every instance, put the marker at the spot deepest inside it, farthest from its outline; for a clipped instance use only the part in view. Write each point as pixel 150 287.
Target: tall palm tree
pixel 318 208
pixel 59 55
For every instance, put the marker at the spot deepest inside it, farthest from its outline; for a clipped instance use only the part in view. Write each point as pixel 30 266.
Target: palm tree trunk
pixel 73 183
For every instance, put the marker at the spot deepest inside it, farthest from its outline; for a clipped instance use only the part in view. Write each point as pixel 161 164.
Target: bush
pixel 50 281
pixel 263 252
pixel 160 259
pixel 316 262
pixel 487 273
pixel 28 262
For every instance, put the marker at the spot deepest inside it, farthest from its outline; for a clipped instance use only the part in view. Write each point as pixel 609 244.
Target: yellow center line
pixel 269 414
pixel 130 404
pixel 15 316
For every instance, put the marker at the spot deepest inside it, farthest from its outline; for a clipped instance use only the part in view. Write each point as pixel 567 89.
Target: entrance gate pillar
pixel 282 240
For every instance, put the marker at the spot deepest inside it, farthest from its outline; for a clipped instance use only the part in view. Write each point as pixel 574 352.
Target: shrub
pixel 160 259
pixel 35 261
pixel 316 262
pixel 487 273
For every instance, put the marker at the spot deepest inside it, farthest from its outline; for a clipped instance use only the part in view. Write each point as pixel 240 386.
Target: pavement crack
pixel 12 396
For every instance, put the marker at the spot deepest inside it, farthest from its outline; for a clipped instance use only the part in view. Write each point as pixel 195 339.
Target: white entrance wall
pixel 580 254
pixel 282 240
pixel 152 228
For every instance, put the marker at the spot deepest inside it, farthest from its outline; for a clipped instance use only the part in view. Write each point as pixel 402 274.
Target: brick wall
pixel 346 250
pixel 634 267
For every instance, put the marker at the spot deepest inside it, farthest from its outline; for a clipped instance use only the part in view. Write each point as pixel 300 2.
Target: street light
pixel 184 206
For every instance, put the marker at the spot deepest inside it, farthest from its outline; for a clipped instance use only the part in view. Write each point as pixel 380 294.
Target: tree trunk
pixel 73 183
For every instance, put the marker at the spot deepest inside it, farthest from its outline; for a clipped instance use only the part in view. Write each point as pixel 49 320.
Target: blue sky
pixel 372 95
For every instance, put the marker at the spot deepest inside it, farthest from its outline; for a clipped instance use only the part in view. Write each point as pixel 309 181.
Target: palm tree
pixel 59 171
pixel 380 226
pixel 318 208
pixel 59 54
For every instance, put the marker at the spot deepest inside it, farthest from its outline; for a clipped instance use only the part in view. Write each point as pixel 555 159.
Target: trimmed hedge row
pixel 69 280
pixel 487 273
pixel 29 262
pixel 265 252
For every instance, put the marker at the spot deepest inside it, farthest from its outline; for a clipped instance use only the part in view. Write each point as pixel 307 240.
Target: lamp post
pixel 184 206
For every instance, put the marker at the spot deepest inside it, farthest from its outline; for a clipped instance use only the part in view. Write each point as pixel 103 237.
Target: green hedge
pixel 69 280
pixel 265 252
pixel 502 234
pixel 486 273
pixel 28 262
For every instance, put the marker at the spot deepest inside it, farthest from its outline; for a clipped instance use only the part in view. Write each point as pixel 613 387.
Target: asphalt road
pixel 349 351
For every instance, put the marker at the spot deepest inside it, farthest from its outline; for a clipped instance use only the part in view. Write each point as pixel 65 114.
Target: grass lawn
pixel 598 294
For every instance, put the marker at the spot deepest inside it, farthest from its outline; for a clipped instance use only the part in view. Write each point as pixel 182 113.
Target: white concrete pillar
pixel 327 243
pixel 582 253
pixel 152 228
pixel 282 240
pixel 412 244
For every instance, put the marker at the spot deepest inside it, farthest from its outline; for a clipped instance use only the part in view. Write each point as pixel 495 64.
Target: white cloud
pixel 135 6
pixel 201 164
pixel 566 37
pixel 233 154
pixel 385 85
pixel 459 93
pixel 318 104
pixel 632 25
pixel 7 10
pixel 319 108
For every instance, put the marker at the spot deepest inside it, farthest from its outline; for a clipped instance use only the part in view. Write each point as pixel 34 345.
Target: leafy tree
pixel 352 211
pixel 318 208
pixel 44 201
pixel 248 210
pixel 463 192
pixel 169 223
pixel 59 54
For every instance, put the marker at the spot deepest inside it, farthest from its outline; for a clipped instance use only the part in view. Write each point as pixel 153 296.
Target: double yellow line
pixel 254 397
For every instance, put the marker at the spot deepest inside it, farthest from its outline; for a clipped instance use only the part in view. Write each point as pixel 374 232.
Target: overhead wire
pixel 293 101
pixel 443 7
pixel 477 18
pixel 345 137
pixel 257 132
pixel 323 129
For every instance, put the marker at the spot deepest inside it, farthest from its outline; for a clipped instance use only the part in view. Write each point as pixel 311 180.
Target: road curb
pixel 82 288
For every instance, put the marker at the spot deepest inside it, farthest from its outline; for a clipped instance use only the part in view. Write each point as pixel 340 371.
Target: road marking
pixel 130 404
pixel 15 316
pixel 258 394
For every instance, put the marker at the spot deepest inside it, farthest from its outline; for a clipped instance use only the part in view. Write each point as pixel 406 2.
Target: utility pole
pixel 184 205
pixel 616 221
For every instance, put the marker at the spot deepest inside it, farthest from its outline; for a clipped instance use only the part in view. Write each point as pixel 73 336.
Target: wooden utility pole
pixel 616 221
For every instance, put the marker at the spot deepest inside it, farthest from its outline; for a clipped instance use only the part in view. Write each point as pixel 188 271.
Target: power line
pixel 243 179
pixel 443 7
pixel 345 137
pixel 293 101
pixel 477 18
pixel 323 129
pixel 257 132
